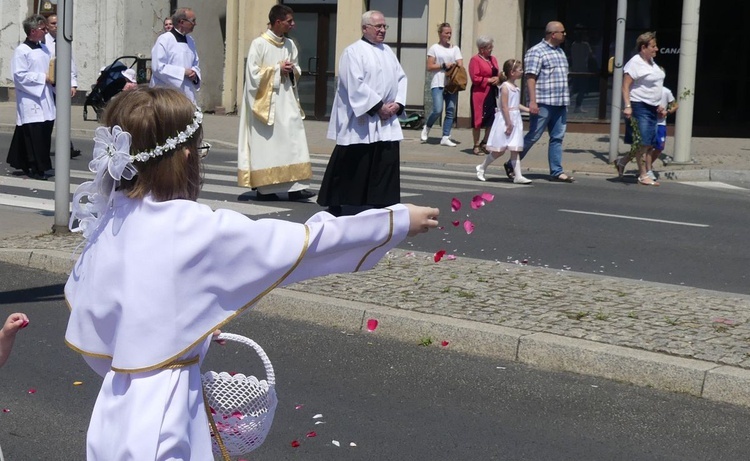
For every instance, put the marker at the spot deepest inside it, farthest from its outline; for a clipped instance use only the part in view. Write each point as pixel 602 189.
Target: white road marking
pixel 637 218
pixel 712 185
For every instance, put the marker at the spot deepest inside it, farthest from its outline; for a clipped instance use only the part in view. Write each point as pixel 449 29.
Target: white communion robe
pixel 157 278
pixel 34 96
pixel 171 55
pixel 370 73
pixel 272 153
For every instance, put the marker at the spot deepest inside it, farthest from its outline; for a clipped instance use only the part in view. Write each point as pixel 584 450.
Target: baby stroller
pixel 111 81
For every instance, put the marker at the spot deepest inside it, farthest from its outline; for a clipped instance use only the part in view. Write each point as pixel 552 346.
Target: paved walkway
pixel 685 339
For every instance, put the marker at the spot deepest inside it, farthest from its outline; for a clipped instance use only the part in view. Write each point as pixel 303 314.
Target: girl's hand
pixel 508 129
pixel 421 219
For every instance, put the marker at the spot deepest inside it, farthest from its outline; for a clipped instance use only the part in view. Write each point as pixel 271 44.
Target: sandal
pixel 620 168
pixel 478 150
pixel 562 177
pixel 646 181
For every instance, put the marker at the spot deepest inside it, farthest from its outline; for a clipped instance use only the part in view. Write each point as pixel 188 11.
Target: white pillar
pixel 63 52
pixel 685 93
pixel 614 123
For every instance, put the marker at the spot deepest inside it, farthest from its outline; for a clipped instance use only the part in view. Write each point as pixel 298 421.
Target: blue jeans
pixel 438 97
pixel 554 119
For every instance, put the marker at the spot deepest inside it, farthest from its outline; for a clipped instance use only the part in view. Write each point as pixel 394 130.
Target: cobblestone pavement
pixel 680 321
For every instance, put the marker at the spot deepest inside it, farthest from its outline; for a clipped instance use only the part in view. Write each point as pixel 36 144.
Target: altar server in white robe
pixel 51 41
pixel 272 154
pixel 363 171
pixel 160 273
pixel 174 58
pixel 35 105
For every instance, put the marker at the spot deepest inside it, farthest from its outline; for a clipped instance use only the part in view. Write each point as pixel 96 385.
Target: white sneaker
pixel 521 180
pixel 651 175
pixel 446 141
pixel 480 173
pixel 425 133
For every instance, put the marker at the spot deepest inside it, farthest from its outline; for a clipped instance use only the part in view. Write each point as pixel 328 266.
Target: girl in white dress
pixel 161 272
pixel 507 129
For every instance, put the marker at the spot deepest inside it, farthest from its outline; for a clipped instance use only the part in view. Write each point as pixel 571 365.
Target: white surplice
pixel 272 153
pixel 51 44
pixel 34 99
pixel 157 278
pixel 369 73
pixel 172 53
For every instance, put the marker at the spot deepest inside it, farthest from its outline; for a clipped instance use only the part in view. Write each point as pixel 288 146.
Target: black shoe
pixel 508 170
pixel 265 197
pixel 36 175
pixel 75 153
pixel 300 195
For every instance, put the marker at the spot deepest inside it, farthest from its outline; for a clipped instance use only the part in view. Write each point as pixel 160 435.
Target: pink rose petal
pixel 451 257
pixel 487 196
pixel 468 226
pixel 24 324
pixel 372 324
pixel 477 202
pixel 6 410
pixel 439 255
pixel 297 407
pixel 455 223
pixel 455 204
pixel 441 227
pixel 311 434
pixel 32 391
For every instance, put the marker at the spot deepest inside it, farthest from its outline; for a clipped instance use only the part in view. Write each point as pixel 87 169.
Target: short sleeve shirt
pixel 648 80
pixel 550 66
pixel 442 56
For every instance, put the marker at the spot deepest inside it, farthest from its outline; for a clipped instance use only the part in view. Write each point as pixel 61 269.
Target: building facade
pixel 111 28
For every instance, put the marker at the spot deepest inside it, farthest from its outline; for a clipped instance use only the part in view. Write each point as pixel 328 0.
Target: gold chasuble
pixel 272 146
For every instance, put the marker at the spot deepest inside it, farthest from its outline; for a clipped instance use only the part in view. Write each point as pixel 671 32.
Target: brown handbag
pixel 456 79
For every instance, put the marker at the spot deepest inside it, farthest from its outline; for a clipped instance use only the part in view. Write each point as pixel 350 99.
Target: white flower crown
pixel 113 162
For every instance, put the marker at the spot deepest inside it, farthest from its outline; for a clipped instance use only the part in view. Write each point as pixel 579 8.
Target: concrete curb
pixel 542 350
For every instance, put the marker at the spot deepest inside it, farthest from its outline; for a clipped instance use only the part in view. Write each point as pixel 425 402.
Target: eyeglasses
pixel 203 150
pixel 191 21
pixel 379 26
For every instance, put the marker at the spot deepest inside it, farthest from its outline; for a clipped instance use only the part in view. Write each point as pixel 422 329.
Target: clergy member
pixel 35 106
pixel 363 171
pixel 272 155
pixel 174 59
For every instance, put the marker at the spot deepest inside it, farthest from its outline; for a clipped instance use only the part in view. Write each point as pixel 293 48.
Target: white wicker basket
pixel 242 407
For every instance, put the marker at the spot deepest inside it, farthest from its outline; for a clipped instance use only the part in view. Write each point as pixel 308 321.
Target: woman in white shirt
pixel 441 57
pixel 642 84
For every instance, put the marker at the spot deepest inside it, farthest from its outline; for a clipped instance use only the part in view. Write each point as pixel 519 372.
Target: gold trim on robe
pixel 276 175
pixel 264 96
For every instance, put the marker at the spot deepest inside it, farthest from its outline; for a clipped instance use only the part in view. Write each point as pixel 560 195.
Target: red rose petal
pixel 237 414
pixel 295 444
pixel 477 202
pixel 311 434
pixel 32 391
pixel 372 324
pixel 439 255
pixel 24 324
pixel 455 204
pixel 444 343
pixel 468 226
pixel 487 196
pixel 455 223
pixel 297 407
pixel 6 410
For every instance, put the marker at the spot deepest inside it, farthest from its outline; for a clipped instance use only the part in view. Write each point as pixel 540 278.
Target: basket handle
pixel 270 375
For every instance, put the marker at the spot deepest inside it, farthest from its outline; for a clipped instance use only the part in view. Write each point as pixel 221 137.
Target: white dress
pixel 157 278
pixel 498 141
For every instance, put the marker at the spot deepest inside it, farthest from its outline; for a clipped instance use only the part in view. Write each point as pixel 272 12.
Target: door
pixel 315 37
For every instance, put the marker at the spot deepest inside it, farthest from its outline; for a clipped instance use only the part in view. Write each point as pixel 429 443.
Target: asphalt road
pixel 676 234
pixel 395 401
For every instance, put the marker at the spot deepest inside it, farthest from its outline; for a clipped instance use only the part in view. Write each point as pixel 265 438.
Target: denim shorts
pixel 645 116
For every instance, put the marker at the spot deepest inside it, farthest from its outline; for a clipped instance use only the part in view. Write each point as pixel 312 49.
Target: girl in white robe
pixel 160 273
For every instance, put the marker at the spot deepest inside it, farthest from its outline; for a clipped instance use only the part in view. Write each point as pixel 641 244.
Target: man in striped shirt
pixel 546 70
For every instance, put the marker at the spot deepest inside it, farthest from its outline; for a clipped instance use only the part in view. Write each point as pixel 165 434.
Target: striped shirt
pixel 550 65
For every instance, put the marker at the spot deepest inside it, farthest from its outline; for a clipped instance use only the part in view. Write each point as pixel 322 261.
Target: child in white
pixel 667 105
pixel 507 129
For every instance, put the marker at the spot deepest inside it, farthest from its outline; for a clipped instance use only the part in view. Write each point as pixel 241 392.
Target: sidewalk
pixel 685 340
